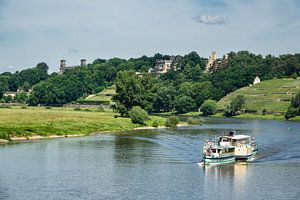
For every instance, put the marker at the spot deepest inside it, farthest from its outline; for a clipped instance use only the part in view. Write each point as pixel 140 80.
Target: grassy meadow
pixel 32 121
pixel 272 95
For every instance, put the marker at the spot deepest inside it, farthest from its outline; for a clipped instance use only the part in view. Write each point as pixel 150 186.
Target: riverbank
pixel 19 124
pixel 241 116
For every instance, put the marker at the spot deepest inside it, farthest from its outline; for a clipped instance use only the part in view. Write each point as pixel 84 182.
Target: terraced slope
pixel 272 95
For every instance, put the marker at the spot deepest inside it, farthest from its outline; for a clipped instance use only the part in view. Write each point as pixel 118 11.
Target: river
pixel 153 164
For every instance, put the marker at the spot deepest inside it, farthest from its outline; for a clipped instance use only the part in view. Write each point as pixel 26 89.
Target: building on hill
pixel 256 80
pixel 63 67
pixel 164 65
pixel 211 60
pixel 214 64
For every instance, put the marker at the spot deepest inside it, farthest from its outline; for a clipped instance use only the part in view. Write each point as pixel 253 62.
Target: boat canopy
pixel 240 137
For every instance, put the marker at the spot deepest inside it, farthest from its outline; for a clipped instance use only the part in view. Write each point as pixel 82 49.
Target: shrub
pixel 100 109
pixel 155 123
pixel 4 136
pixel 172 121
pixel 24 107
pixel 138 115
pixel 291 112
pixel 48 107
pixel 77 109
pixel 195 121
pixel 209 107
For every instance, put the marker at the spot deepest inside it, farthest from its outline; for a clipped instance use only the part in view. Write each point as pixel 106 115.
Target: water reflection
pixel 234 175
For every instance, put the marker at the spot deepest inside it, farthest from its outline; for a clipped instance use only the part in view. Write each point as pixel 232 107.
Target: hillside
pixel 272 95
pixel 103 97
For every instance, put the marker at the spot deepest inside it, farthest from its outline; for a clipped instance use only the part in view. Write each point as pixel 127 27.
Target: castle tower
pixel 211 60
pixel 83 62
pixel 62 66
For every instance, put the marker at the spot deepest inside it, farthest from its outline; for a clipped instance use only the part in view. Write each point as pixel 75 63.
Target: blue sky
pixel 32 31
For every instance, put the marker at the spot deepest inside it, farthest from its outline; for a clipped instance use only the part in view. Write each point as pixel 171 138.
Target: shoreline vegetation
pixel 26 122
pixel 241 116
pixel 19 124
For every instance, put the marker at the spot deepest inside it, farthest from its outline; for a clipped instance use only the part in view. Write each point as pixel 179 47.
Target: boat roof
pixel 237 137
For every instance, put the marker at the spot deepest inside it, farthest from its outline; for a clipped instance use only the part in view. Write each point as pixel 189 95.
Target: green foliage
pixel 195 121
pixel 155 123
pixel 133 90
pixel 21 97
pixel 291 112
pixel 294 108
pixel 26 86
pixel 236 105
pixel 138 115
pixel 209 107
pixel 184 104
pixel 172 121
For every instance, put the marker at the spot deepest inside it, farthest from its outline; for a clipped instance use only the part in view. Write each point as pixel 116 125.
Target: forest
pixel 181 90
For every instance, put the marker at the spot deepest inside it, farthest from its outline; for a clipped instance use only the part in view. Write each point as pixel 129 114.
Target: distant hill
pixel 272 95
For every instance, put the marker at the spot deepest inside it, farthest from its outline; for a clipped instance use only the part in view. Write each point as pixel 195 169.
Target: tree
pixel 133 90
pixel 26 86
pixel 21 97
pixel 294 108
pixel 164 98
pixel 184 104
pixel 138 115
pixel 235 105
pixel 209 107
pixel 291 112
pixel 42 66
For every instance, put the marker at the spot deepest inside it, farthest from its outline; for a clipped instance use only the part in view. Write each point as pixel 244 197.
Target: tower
pixel 83 62
pixel 211 60
pixel 62 66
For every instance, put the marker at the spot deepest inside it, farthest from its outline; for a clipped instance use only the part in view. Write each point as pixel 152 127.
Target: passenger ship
pixel 229 148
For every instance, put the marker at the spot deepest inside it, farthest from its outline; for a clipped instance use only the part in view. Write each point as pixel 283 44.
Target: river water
pixel 153 164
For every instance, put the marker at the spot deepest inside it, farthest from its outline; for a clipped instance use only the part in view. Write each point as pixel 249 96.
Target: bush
pixel 48 107
pixel 4 136
pixel 209 107
pixel 195 121
pixel 291 112
pixel 24 107
pixel 155 123
pixel 100 110
pixel 77 109
pixel 172 121
pixel 138 115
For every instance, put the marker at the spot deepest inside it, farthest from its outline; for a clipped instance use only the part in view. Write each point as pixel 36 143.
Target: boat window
pixel 214 150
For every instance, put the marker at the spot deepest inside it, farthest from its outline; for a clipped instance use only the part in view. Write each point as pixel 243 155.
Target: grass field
pixel 103 96
pixel 272 95
pixel 61 121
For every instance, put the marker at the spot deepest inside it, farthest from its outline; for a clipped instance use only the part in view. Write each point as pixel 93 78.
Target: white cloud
pixel 211 19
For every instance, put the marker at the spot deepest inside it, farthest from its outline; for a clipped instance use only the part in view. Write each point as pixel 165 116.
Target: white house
pixel 256 80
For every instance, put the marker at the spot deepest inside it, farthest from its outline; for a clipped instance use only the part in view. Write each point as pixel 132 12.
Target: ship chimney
pixel 83 62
